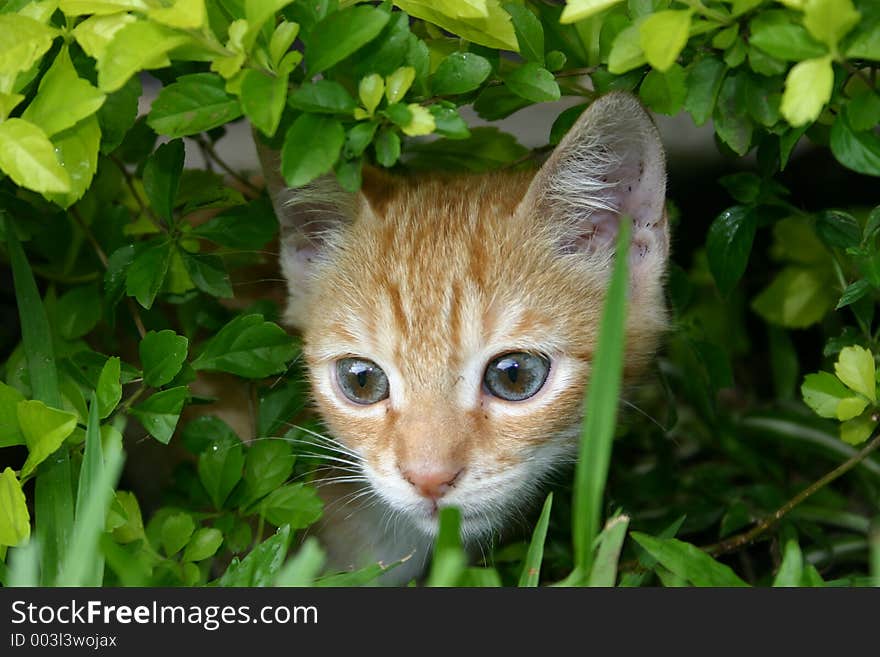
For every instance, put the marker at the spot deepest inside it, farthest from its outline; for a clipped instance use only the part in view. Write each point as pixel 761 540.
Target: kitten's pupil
pixel 361 380
pixel 516 376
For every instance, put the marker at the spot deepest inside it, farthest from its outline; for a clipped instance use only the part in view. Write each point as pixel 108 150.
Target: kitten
pixel 449 325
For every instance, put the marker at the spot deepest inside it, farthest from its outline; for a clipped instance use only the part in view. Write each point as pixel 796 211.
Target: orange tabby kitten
pixel 449 325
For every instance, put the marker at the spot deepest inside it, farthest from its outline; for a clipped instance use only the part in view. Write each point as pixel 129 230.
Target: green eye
pixel 516 376
pixel 361 380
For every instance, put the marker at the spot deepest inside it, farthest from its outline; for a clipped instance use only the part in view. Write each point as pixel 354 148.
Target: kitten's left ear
pixel 311 218
pixel 610 163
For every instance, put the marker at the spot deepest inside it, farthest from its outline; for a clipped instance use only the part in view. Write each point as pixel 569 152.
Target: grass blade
pixel 604 570
pixel 601 402
pixel 531 572
pixel 449 559
pixel 874 543
pixel 24 565
pixel 54 491
pixel 90 474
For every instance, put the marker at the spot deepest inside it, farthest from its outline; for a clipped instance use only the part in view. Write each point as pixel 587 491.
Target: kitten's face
pixel 449 329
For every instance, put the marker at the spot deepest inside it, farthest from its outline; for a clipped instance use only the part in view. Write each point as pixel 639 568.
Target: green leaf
pixel 626 51
pixel 10 432
pixel 269 464
pixel 459 73
pixel 865 42
pixel 688 561
pixel 485 149
pixel 665 92
pixel 162 356
pixel 296 505
pixel 850 407
pixel 859 151
pixel 732 123
pixel 529 32
pixel 838 229
pixel 482 22
pixel 220 468
pixel 600 408
pixel 387 146
pixel 311 148
pixel 853 292
pixel 797 297
pixel 23 41
pixel 109 388
pixel 808 88
pixel 135 47
pixel 77 312
pixel 703 84
pixel 176 532
pixel 261 565
pixel 778 35
pixel 304 566
pixel 855 367
pixel 729 244
pixel 531 571
pixel 249 347
pixel 262 99
pixel 340 34
pixel 204 544
pixel 280 403
pixel 194 103
pixel 532 82
pixel 663 36
pixel 44 429
pixel 448 122
pixel 358 138
pixel 324 96
pixel 578 10
pixel 248 226
pixel 94 33
pixel 161 411
pixel 830 20
pixel 15 520
pixel 63 98
pixel 208 273
pixel 162 177
pixel 858 430
pixel 145 275
pixel 28 157
pixel 370 91
pixel 610 543
pixel 823 393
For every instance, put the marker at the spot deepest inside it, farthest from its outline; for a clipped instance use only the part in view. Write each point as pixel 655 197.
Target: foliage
pixel 129 262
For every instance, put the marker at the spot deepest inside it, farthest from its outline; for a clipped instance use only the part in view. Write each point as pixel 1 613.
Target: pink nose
pixel 431 483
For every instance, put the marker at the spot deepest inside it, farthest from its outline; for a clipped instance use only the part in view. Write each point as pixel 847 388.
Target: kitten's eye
pixel 361 380
pixel 516 376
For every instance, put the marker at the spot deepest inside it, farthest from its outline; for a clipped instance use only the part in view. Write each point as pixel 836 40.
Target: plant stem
pixel 743 539
pixel 208 148
pixel 145 209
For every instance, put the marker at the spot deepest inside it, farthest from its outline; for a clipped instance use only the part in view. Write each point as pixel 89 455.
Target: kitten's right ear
pixel 310 217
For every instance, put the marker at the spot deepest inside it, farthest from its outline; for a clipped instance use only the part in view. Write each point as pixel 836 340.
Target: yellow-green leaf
pixel 850 407
pixel 15 521
pixel 663 35
pixel 855 367
pixel 626 52
pixel 481 21
pixel 830 20
pixel 858 430
pixel 135 47
pixel 44 429
pixel 398 83
pixel 77 151
pixel 28 157
pixel 370 91
pixel 63 97
pixel 23 41
pixel 422 122
pixel 577 10
pixel 101 7
pixel 807 89
pixel 185 14
pixel 95 32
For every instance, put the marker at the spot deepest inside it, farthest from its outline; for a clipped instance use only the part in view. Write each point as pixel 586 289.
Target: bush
pixel 128 268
